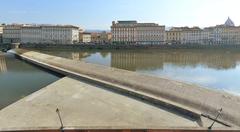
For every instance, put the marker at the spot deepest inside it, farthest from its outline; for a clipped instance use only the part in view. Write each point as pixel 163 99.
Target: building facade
pixel 230 35
pixel 133 32
pixel 105 37
pixel 192 35
pixel 95 37
pixel 102 37
pixel 50 34
pixel 85 37
pixel 1 33
pixel 174 36
pixel 207 35
pixel 37 34
pixel 31 34
pixel 226 33
pixel 12 33
pixel 150 33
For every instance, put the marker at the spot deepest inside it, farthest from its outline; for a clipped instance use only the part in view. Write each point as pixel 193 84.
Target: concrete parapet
pixel 190 97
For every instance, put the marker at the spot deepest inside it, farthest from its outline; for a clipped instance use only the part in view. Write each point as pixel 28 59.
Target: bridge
pixel 97 98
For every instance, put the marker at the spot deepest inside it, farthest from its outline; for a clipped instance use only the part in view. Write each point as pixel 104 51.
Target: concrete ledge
pixel 120 130
pixel 87 106
pixel 184 96
pixel 181 109
pixel 167 104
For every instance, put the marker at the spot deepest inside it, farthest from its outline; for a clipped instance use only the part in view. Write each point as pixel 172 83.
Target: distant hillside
pixel 96 30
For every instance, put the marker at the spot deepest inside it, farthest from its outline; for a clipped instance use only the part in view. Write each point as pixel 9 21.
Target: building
pixel 150 33
pixel 95 37
pixel 85 37
pixel 186 35
pixel 105 37
pixel 31 34
pixel 207 35
pixel 1 33
pixel 229 23
pixel 66 34
pixel 141 33
pixel 124 31
pixel 50 34
pixel 1 29
pixel 102 37
pixel 226 33
pixel 192 35
pixel 12 33
pixel 174 35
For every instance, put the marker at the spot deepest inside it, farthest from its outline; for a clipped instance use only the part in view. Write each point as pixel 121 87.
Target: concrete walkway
pixel 192 97
pixel 87 106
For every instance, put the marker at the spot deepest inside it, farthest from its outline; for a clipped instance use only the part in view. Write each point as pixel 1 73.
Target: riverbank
pixel 87 106
pixel 125 46
pixel 110 46
pixel 192 98
pixel 19 79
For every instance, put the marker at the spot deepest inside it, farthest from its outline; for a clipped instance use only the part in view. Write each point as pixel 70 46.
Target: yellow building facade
pixel 174 35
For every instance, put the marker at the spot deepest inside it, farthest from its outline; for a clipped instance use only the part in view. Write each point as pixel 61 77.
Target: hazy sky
pixel 98 14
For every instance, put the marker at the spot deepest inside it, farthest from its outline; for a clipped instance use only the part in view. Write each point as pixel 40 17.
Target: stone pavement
pixel 86 106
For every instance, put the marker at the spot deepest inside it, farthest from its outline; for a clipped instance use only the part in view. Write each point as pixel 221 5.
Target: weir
pixel 94 96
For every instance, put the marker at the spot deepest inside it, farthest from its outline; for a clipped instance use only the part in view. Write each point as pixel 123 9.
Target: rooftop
pixel 40 26
pixel 127 22
pixel 229 23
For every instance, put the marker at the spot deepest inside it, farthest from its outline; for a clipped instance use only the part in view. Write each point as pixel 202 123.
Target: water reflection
pixel 3 65
pixel 19 79
pixel 153 60
pixel 217 69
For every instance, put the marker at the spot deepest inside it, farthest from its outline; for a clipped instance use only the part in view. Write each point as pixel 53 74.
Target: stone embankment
pixel 127 46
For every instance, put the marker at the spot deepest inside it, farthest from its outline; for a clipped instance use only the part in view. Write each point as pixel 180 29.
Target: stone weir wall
pixel 206 102
pixel 124 46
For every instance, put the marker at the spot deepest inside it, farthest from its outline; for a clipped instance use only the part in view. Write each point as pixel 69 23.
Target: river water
pixel 19 79
pixel 216 69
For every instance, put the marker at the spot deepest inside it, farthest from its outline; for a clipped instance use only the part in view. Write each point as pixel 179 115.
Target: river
pixel 19 79
pixel 217 69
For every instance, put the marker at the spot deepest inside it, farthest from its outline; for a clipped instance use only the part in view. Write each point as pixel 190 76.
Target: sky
pixel 99 14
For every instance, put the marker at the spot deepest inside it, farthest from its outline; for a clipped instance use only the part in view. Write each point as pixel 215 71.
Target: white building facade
pixel 37 34
pixel 12 33
pixel 133 32
pixel 50 34
pixel 1 33
pixel 31 34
